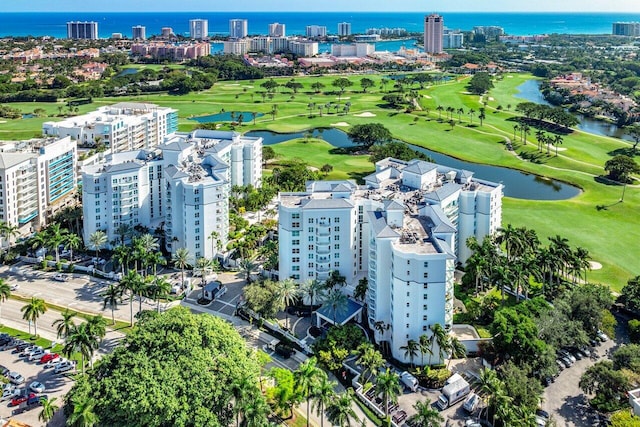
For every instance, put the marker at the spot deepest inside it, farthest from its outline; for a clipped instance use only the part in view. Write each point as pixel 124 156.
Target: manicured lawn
pixel 592 220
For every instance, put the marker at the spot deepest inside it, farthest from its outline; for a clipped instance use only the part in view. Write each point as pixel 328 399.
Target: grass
pixel 593 220
pixel 42 342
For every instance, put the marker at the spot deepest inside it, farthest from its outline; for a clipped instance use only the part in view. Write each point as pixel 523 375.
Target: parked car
pixel 36 387
pixel 14 287
pixel 54 362
pixel 4 370
pixel 471 403
pixel 49 357
pixel 9 344
pixel 17 400
pixel 58 277
pixel 9 393
pixel 36 354
pixel 63 367
pixel 602 336
pixel 16 378
pixel 567 355
pixel 566 362
pixel 37 400
pixel 26 350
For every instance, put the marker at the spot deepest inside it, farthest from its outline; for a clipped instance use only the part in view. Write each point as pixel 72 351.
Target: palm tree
pixel 460 112
pixel 83 415
pixel 155 259
pixel 440 338
pixel 306 379
pixel 458 350
pixel 411 350
pixel 425 347
pixel 314 289
pixel 338 303
pixel 130 283
pixel 287 294
pixel 471 113
pixel 56 236
pixel 73 242
pixel 123 230
pixel 7 231
pixel 370 359
pixel 204 266
pixel 80 340
pixel 439 109
pixel 425 415
pixel 181 260
pixel 340 411
pixel 247 267
pixel 111 297
pixel 323 394
pixel 122 256
pixel 5 293
pixel 97 329
pixel 64 324
pixel 255 412
pixel 32 311
pixel 388 384
pixel 160 288
pixel 49 408
pixel 97 240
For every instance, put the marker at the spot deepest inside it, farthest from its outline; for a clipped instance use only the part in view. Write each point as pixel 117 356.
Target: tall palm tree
pixel 255 413
pixel 64 324
pixel 241 389
pixel 371 361
pixel 306 379
pixel 122 256
pixel 313 289
pixel 287 293
pixel 338 303
pixel 160 288
pixel 340 412
pixel 49 409
pixel 156 259
pixel 561 250
pixel 123 230
pixel 425 415
pixel 7 231
pixel 181 260
pixel 74 242
pixel 388 384
pixel 97 241
pixel 458 350
pixel 511 237
pixel 440 338
pixel 581 262
pixel 80 340
pixel 32 311
pixel 112 296
pixel 56 236
pixel 83 414
pixel 215 242
pixel 411 350
pixel 425 347
pixel 5 293
pixel 204 266
pixel 130 283
pixel 247 267
pixel 322 396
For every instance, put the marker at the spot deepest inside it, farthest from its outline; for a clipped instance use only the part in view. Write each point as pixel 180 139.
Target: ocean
pixel 54 24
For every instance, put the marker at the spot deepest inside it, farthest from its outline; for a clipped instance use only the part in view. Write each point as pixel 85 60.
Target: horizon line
pixel 324 11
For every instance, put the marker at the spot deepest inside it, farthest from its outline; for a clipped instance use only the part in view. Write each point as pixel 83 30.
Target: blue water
pixel 530 91
pixel 54 24
pixel 128 71
pixel 518 185
pixel 226 117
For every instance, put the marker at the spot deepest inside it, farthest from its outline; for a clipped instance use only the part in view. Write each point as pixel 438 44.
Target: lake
pixel 226 117
pixel 530 91
pixel 518 185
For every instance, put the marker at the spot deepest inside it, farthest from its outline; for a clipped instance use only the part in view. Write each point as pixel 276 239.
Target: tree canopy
pixel 621 167
pixel 176 369
pixel 480 83
pixel 370 133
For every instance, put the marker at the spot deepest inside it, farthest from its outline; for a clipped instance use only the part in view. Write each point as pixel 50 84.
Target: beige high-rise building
pixel 433 31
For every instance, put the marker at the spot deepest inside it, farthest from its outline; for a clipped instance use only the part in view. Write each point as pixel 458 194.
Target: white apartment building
pixel 139 32
pixel 199 28
pixel 452 39
pixel 316 31
pixel 277 30
pixel 182 185
pixel 303 48
pixel 121 127
pixel 357 50
pixel 82 30
pixel 236 47
pixel 344 29
pixel 238 28
pixel 404 230
pixel 37 178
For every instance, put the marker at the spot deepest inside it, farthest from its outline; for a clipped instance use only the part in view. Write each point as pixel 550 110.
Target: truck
pixel 409 381
pixel 456 388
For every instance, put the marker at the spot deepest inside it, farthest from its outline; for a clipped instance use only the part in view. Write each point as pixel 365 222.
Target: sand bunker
pixel 340 124
pixel 426 96
pixel 365 114
pixel 344 97
pixel 233 84
pixel 595 265
pixel 491 99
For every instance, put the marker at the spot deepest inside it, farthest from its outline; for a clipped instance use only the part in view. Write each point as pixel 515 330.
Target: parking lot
pixel 56 386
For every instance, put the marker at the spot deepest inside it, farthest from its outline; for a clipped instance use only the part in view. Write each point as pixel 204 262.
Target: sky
pixel 325 5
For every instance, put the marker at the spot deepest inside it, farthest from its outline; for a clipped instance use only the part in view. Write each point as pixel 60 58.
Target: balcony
pixel 323 249
pixel 323 231
pixel 323 259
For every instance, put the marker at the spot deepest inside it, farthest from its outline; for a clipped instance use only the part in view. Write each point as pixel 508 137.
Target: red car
pixel 49 357
pixel 21 399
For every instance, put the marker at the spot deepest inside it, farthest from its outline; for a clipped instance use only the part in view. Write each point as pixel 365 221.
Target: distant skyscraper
pixel 238 28
pixel 277 30
pixel 199 29
pixel 344 29
pixel 626 29
pixel 82 30
pixel 139 32
pixel 433 31
pixel 316 31
pixel 167 32
pixel 452 39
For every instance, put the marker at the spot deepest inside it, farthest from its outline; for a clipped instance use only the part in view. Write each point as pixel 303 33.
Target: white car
pixel 36 387
pixel 14 287
pixel 30 350
pixel 54 362
pixel 16 378
pixel 64 367
pixel 58 277
pixel 9 393
pixel 36 354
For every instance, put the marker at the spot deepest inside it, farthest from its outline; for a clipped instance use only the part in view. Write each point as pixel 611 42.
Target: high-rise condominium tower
pixel 433 30
pixel 238 28
pixel 199 28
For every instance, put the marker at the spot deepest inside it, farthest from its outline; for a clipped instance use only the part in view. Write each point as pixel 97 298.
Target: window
pixel 295 268
pixel 310 221
pixel 198 254
pixel 310 256
pixel 336 219
pixel 336 255
pixel 408 294
pixel 310 229
pixel 295 233
pixel 295 276
pixel 295 242
pixel 407 314
pixel 295 224
pixel 337 229
pixel 425 286
pixel 425 275
pixel 310 265
pixel 197 245
pixel 196 191
pixel 197 223
pixel 424 307
pixel 97 202
pixel 408 262
pixel 425 296
pixel 407 326
pixel 408 273
pixel 197 215
pixel 295 216
pixel 424 328
pixel 310 247
pixel 336 247
pixel 424 317
pixel 197 237
pixel 295 251
pixel 311 274
pixel 98 225
pixel 408 305
pixel 197 200
pixel 426 264
pixel 336 264
pixel 98 210
pixel 295 259
pixel 311 238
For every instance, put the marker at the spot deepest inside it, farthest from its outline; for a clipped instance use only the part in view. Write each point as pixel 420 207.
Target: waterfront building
pixel 167 32
pixel 199 29
pixel 139 32
pixel 82 30
pixel 238 28
pixel 236 47
pixel 631 29
pixel 277 30
pixel 316 31
pixel 367 38
pixel 37 179
pixel 452 39
pixel 387 31
pixel 121 127
pixel 358 50
pixel 172 51
pixel 344 29
pixel 404 230
pixel 303 47
pixel 181 186
pixel 116 36
pixel 491 32
pixel 433 31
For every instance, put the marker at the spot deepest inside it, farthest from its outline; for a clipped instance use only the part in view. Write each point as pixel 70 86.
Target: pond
pixel 28 116
pixel 530 91
pixel 127 71
pixel 226 117
pixel 518 185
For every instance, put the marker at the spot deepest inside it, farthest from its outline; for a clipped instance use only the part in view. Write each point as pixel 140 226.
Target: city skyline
pixel 328 6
